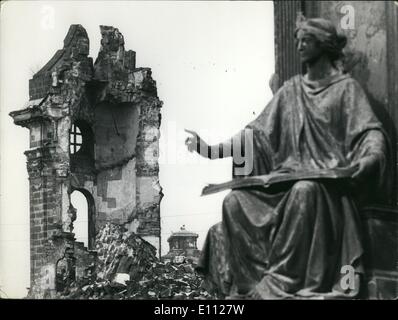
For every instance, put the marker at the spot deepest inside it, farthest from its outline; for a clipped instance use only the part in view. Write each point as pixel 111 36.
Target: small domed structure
pixel 183 246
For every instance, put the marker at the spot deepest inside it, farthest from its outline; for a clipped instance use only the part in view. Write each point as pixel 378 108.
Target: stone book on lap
pixel 278 177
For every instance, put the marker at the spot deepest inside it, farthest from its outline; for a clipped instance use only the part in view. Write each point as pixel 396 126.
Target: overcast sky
pixel 212 62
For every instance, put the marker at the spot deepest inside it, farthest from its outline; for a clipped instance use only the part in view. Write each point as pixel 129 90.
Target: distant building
pixel 183 247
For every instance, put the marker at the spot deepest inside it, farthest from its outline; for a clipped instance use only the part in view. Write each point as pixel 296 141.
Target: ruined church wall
pixel 116 130
pixel 117 109
pixel 116 193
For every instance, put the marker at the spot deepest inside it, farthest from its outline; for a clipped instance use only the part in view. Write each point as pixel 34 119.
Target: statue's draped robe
pixel 294 239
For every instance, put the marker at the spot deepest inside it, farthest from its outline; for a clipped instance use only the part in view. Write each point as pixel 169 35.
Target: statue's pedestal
pixel 381 252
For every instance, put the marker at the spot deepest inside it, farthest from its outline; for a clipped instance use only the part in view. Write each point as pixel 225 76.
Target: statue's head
pixel 317 37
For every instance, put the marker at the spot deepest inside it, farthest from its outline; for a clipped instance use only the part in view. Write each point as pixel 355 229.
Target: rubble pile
pixel 121 252
pixel 127 268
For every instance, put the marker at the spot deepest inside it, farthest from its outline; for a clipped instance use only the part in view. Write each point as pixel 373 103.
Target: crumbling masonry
pixel 113 107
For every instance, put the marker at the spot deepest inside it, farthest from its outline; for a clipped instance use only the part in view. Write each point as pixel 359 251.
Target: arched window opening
pixel 76 139
pixel 81 224
pixel 81 139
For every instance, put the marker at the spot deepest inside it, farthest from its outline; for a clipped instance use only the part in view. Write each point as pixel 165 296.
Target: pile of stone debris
pixel 127 268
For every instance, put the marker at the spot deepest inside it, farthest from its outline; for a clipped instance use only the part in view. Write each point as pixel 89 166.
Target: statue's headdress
pixel 325 32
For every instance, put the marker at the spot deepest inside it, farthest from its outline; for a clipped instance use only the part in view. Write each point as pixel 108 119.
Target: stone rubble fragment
pixel 121 253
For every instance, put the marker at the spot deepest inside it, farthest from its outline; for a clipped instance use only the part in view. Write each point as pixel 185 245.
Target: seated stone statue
pixel 297 239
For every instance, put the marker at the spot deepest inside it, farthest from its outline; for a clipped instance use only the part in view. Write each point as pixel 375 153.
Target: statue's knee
pixel 303 195
pixel 214 229
pixel 231 200
pixel 305 186
pixel 231 204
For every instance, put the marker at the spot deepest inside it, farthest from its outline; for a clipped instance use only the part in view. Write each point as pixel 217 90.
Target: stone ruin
pixel 94 127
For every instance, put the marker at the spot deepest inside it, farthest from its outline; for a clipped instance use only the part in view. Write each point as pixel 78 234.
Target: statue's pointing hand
pixel 192 141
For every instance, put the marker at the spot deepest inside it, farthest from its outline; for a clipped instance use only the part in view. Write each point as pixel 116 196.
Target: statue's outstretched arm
pixel 221 150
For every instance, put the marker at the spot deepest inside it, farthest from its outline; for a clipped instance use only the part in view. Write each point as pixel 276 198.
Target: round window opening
pixel 76 139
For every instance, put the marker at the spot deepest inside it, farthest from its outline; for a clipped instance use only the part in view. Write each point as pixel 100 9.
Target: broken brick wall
pixel 116 128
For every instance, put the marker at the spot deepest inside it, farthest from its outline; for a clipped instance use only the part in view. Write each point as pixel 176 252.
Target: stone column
pixel 287 63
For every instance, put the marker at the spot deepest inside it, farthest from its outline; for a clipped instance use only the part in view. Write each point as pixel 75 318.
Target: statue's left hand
pixel 366 166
